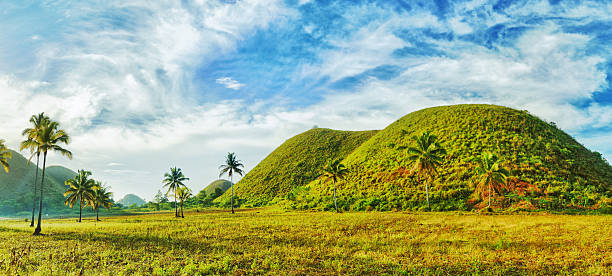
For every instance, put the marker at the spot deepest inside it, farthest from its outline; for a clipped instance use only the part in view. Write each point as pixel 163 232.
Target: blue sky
pixel 144 86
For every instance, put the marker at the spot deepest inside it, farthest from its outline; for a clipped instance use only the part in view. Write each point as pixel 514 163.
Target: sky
pixel 142 86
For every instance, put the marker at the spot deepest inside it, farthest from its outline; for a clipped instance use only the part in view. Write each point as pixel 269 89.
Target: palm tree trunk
pixel 97 212
pixel 182 216
pixel 489 195
pixel 34 191
pixel 175 205
pixel 232 200
pixel 335 202
pixel 427 191
pixel 42 185
pixel 80 210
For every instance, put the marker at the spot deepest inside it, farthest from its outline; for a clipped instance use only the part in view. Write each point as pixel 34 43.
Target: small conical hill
pixel 548 167
pixel 295 163
pixel 219 183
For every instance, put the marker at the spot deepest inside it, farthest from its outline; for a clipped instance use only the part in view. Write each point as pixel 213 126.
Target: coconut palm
pixel 492 177
pixel 173 181
pixel 5 155
pixel 80 189
pixel 334 171
pixel 231 166
pixel 101 198
pixel 31 144
pixel 183 194
pixel 425 157
pixel 49 137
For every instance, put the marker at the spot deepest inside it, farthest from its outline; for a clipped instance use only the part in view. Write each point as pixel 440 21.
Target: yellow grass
pixel 269 241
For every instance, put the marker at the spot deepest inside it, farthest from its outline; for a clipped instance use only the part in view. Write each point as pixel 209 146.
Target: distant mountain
pixel 16 186
pixel 222 184
pixel 131 199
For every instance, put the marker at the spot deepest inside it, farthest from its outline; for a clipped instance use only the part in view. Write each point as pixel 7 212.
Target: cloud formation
pixel 230 83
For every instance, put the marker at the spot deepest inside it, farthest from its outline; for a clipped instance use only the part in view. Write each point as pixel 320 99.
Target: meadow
pixel 273 241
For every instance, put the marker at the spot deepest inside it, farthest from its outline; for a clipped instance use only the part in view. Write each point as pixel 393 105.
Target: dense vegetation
pixel 16 196
pixel 548 168
pixel 311 243
pixel 295 163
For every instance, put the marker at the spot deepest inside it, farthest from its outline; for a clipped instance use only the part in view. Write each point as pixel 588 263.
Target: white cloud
pixel 230 83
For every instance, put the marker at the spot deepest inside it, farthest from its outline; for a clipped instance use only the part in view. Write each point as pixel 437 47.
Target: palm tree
pixel 5 155
pixel 334 171
pixel 425 158
pixel 34 147
pixel 48 138
pixel 231 166
pixel 491 175
pixel 183 194
pixel 101 198
pixel 80 189
pixel 174 180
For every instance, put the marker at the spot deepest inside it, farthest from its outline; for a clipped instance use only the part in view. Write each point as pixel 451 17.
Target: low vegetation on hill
pixel 548 168
pixel 295 163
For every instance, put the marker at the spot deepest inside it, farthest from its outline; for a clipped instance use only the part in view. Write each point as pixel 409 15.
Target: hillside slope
pixel 219 183
pixel 549 168
pixel 295 163
pixel 17 186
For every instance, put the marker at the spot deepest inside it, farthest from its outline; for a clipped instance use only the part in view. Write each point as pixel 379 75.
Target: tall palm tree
pixel 334 171
pixel 425 157
pixel 5 155
pixel 231 166
pixel 101 198
pixel 49 137
pixel 80 189
pixel 34 147
pixel 183 194
pixel 492 177
pixel 174 180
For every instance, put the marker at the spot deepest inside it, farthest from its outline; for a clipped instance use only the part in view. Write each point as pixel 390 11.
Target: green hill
pixel 219 183
pixel 295 163
pixel 131 199
pixel 17 187
pixel 549 168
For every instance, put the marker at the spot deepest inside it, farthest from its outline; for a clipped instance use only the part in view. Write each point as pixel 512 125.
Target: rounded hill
pixel 131 199
pixel 548 168
pixel 295 163
pixel 221 184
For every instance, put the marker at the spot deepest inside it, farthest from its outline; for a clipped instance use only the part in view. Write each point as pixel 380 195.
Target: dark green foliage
pixel 295 163
pixel 548 168
pixel 17 187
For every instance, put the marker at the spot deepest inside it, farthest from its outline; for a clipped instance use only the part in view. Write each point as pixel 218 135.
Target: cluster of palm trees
pixel 42 137
pixel 174 182
pixel 425 157
pixel 45 136
pixel 87 192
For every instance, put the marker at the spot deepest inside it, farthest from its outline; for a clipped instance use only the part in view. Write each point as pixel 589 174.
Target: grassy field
pixel 268 241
